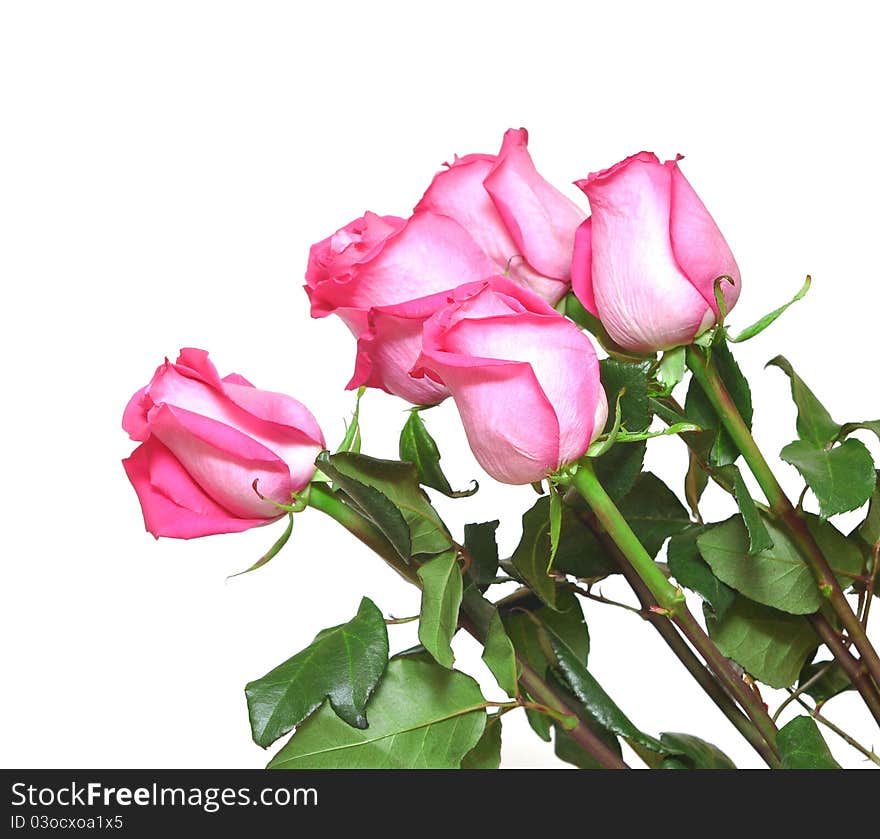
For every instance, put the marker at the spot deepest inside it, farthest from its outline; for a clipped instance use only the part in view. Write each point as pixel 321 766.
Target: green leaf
pixel 759 537
pixel 343 664
pixel 570 751
pixel 696 753
pixel 776 577
pixel 273 551
pixel 352 440
pixel 580 552
pixel 814 423
pixel 841 478
pixel 421 717
pixel 591 695
pixel 770 645
pixel 619 467
pixel 758 327
pixel 654 512
pixel 442 589
pixel 500 656
pixel 479 541
pixel 532 555
pixel 699 410
pixel 691 571
pixel 802 747
pixel 672 367
pixel 487 753
pixel 555 523
pixel 832 682
pixel 417 446
pixel 381 487
pixel 869 529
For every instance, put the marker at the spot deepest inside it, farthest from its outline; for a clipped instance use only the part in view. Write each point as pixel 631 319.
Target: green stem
pixel 702 674
pixel 781 506
pixel 476 614
pixel 670 599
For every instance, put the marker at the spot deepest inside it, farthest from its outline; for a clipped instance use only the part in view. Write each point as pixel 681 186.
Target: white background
pixel 165 167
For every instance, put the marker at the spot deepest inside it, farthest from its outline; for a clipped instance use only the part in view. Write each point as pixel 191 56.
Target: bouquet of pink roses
pixel 496 292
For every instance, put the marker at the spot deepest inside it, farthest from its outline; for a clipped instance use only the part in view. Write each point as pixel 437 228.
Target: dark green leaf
pixel 841 478
pixel 417 446
pixel 814 423
pixel 695 753
pixel 343 664
pixel 580 552
pixel 770 645
pixel 487 753
pixel 532 555
pixel 442 589
pixel 619 468
pixel 759 537
pixel 802 746
pixel 479 541
pixel 555 523
pixel 500 657
pixel 421 717
pixel 691 570
pixel 374 485
pixel 699 410
pixel 654 512
pixel 597 703
pixel 869 529
pixel 832 681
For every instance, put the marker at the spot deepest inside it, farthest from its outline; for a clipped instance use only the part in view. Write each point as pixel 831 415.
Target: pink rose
pixel 523 223
pixel 382 260
pixel 646 261
pixel 205 440
pixel 524 378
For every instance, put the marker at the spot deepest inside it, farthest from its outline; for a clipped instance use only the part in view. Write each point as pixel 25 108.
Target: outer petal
pixel 223 461
pixel 561 357
pixel 643 298
pixel 431 253
pixel 172 504
pixel 582 267
pixel 332 261
pixel 697 243
pixel 134 418
pixel 389 349
pixel 458 192
pixel 540 218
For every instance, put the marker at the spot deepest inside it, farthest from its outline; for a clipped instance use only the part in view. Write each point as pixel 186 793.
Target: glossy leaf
pixel 442 590
pixel 500 656
pixel 770 645
pixel 594 699
pixel 487 753
pixel 570 751
pixel 696 753
pixel 802 747
pixel 691 571
pixel 479 541
pixel 619 468
pixel 418 447
pixel 343 664
pixel 374 485
pixel 814 423
pixel 422 716
pixel 841 478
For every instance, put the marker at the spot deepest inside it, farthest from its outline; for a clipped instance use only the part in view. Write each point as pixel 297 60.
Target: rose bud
pixel 523 223
pixel 524 378
pixel 646 261
pixel 206 441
